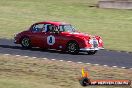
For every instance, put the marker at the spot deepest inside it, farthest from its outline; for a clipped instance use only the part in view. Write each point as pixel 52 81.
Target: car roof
pixel 52 22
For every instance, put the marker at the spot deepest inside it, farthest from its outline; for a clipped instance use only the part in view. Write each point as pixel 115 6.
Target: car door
pixel 38 36
pixel 54 39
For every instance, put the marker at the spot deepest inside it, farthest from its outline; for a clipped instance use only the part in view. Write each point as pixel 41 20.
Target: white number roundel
pixel 50 40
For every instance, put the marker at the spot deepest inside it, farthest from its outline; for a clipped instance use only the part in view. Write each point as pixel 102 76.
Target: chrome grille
pixel 94 43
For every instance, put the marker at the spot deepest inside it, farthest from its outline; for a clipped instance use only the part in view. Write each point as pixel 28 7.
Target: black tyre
pixel 92 52
pixel 25 42
pixel 73 47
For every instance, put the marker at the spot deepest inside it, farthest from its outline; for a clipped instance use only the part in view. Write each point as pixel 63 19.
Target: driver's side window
pixel 47 27
pixel 38 28
pixel 51 28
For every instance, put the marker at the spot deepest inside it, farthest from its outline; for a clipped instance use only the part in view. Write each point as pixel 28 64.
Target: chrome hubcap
pixel 25 42
pixel 72 47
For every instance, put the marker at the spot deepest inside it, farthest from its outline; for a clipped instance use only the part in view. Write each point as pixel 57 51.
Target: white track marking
pixel 69 61
pixel 105 65
pixel 53 59
pixel 44 58
pixel 17 55
pixel 26 56
pixel 61 60
pixel 34 57
pixel 96 64
pixel 88 63
pixel 114 66
pixel 79 62
pixel 123 67
pixel 6 54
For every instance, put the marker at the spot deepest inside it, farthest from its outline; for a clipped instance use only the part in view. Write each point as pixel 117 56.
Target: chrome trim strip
pixel 88 49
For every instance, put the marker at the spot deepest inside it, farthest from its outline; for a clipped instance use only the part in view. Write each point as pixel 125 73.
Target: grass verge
pixel 21 72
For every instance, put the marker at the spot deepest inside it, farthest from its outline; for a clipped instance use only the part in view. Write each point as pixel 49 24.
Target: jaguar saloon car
pixel 59 36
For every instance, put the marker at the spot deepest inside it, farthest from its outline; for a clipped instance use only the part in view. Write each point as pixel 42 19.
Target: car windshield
pixel 67 28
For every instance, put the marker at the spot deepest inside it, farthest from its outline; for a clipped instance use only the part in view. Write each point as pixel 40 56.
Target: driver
pixel 53 29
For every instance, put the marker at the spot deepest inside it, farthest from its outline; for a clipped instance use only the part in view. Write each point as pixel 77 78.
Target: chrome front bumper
pixel 15 41
pixel 91 49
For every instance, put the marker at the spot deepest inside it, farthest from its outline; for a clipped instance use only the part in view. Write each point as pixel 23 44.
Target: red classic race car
pixel 59 36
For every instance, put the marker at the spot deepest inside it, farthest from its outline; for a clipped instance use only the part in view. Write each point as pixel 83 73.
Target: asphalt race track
pixel 103 57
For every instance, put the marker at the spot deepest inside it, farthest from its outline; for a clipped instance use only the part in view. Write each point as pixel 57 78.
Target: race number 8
pixel 50 40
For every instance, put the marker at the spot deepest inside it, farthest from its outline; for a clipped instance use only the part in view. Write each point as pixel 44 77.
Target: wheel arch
pixel 24 36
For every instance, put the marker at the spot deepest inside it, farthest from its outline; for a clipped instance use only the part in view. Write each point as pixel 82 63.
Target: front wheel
pixel 92 52
pixel 25 42
pixel 73 48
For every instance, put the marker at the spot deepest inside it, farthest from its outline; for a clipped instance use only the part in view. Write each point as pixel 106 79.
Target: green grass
pixel 23 72
pixel 113 25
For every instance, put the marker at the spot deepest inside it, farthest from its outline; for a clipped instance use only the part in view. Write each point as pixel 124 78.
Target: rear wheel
pixel 92 52
pixel 73 48
pixel 25 42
